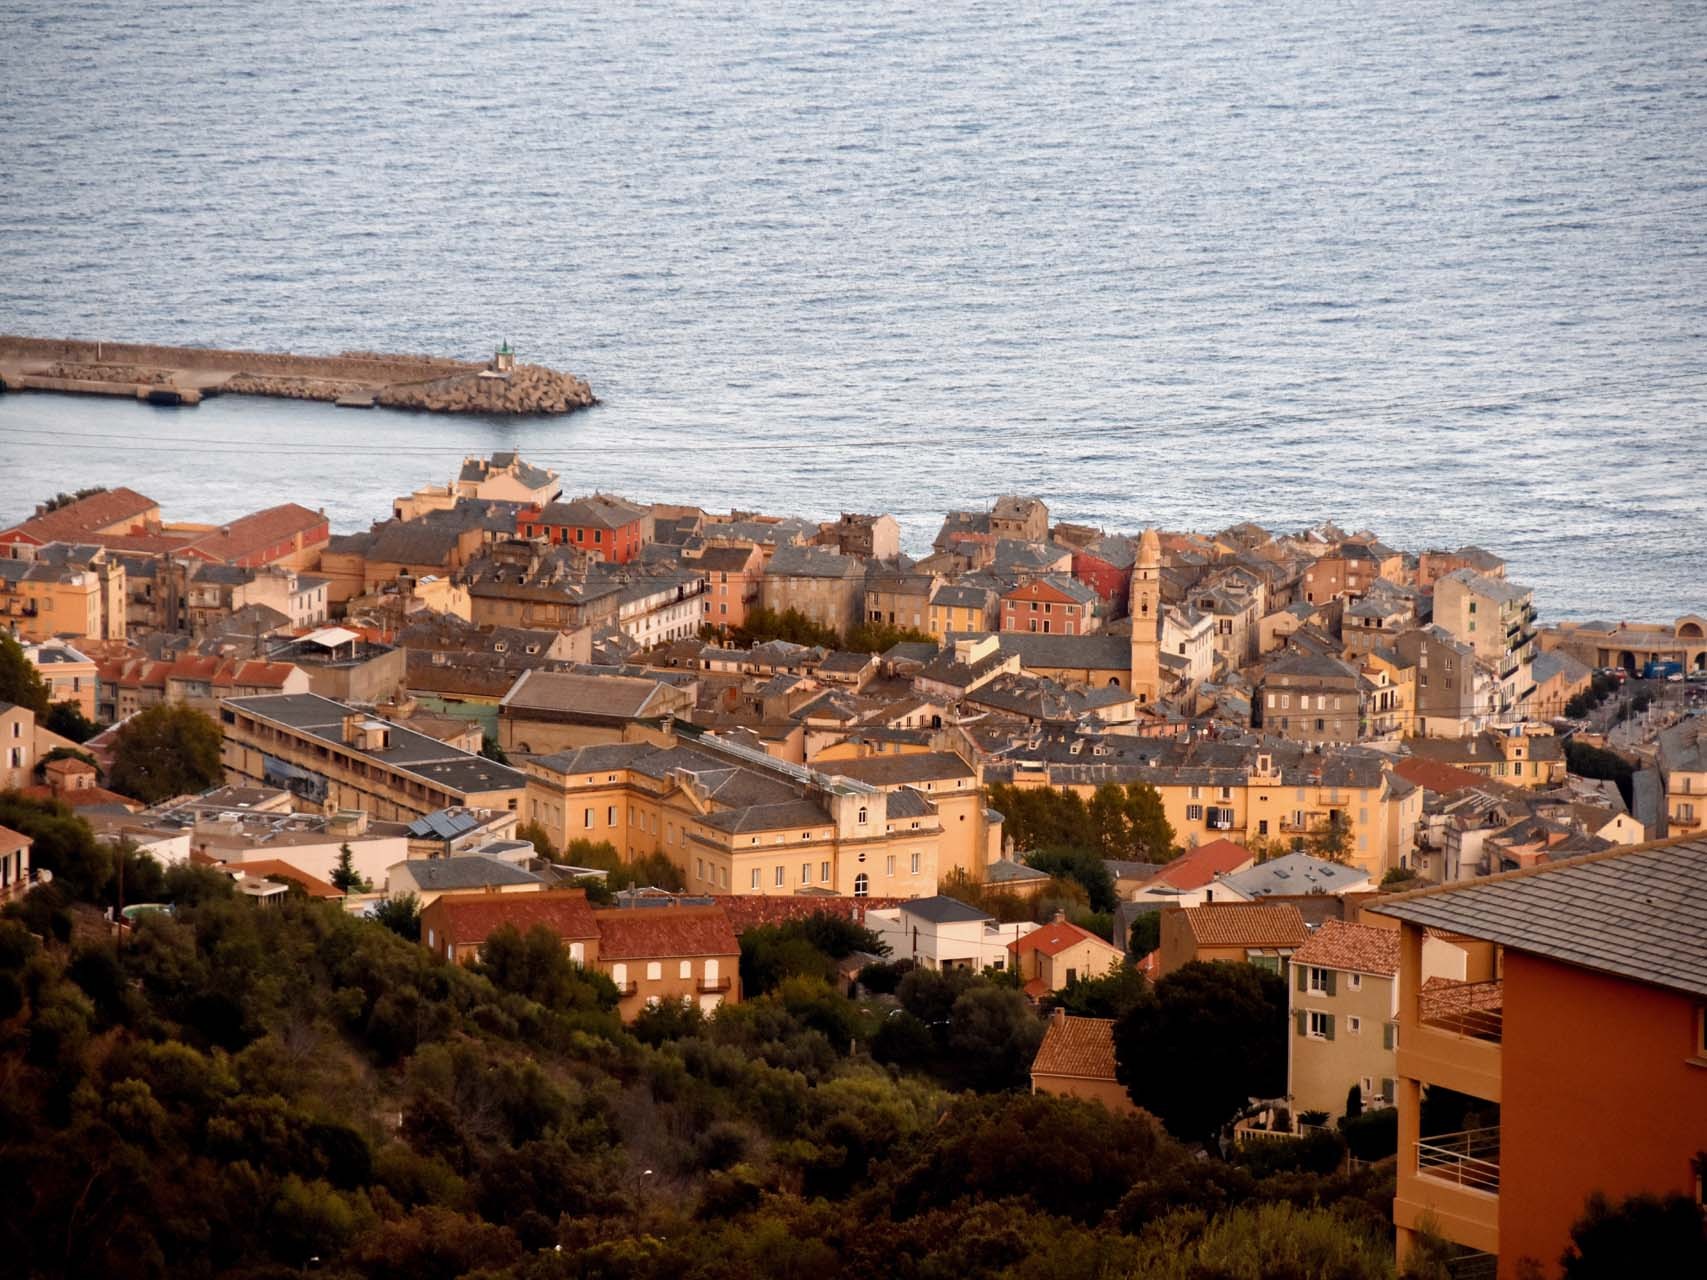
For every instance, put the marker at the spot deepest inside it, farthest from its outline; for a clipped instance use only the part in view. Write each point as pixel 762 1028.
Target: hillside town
pixel 1064 761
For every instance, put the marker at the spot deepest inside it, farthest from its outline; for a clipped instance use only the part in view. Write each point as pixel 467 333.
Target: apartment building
pixel 1311 698
pixel 1496 619
pixel 1344 1001
pixel 1682 761
pixel 826 587
pixel 735 820
pixel 339 757
pixel 1579 1037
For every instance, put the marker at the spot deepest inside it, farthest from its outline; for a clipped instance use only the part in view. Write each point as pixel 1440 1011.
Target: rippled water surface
pixel 1431 268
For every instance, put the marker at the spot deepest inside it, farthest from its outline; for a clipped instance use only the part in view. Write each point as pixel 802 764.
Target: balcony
pixel 1469 1158
pixel 711 986
pixel 1471 1009
pixel 627 988
pixel 1455 1040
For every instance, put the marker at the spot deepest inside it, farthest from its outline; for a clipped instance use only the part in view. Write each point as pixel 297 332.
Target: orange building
pixel 1581 1044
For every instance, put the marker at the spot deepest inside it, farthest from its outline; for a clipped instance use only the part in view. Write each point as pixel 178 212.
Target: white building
pixel 945 933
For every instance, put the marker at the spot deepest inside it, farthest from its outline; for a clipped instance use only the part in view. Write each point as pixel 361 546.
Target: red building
pixel 1050 606
pixel 607 527
pixel 1105 566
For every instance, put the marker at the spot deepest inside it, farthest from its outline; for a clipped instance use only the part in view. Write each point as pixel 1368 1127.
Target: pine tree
pixel 345 879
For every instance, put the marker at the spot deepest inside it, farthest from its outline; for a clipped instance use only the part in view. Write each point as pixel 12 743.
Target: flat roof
pixel 410 752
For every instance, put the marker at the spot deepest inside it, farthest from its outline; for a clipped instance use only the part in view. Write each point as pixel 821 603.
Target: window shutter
pixel 1328 1026
pixel 1387 1088
pixel 1330 976
pixel 1387 1036
pixel 1303 976
pixel 1303 1023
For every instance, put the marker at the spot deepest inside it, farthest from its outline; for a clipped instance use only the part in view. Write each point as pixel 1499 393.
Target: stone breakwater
pixel 427 383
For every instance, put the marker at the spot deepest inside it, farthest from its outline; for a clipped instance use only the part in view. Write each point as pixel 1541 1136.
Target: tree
pixel 1354 1102
pixel 878 637
pixel 1645 1235
pixel 1149 834
pixel 1082 866
pixel 1145 935
pixel 20 682
pixel 492 751
pixel 1331 839
pixel 402 915
pixel 536 835
pixel 1109 996
pixel 537 966
pixel 345 878
pixel 68 721
pixel 994 1036
pixel 1212 1038
pixel 168 750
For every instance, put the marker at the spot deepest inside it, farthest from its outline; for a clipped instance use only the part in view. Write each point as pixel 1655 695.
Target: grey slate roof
pixel 1095 652
pixel 943 910
pixel 1635 912
pixel 1295 873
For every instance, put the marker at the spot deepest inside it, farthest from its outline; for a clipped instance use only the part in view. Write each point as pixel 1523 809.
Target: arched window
pixel 862 885
pixel 862 817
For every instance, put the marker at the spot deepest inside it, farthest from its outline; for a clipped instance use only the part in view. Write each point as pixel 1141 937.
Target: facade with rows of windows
pixel 735 821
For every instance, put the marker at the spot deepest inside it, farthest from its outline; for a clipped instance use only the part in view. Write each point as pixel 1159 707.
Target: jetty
pixel 356 379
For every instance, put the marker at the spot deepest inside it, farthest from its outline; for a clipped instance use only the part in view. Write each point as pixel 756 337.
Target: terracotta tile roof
pixel 645 933
pixel 1054 938
pixel 473 917
pixel 1443 997
pixel 252 534
pixel 262 868
pixel 1359 948
pixel 11 841
pixel 749 911
pixel 1442 779
pixel 1197 867
pixel 1239 924
pixel 1078 1047
pixel 88 515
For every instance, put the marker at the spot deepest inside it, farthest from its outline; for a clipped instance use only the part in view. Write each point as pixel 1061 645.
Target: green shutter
pixel 1387 1030
pixel 1303 1022
pixel 1330 976
pixel 1330 1027
pixel 1303 972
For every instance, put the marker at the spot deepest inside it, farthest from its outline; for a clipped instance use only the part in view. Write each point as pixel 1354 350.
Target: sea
pixel 1433 269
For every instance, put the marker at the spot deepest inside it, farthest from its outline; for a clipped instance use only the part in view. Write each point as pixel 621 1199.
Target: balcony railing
pixel 1469 1158
pixel 709 986
pixel 627 988
pixel 1472 1009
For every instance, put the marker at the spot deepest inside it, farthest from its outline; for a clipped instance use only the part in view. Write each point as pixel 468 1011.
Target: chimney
pixel 1058 1015
pixel 1060 916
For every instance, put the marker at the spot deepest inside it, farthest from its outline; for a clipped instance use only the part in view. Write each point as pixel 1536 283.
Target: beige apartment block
pixel 1345 1009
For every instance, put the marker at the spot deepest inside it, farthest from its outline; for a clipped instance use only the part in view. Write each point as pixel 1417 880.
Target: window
pixel 862 817
pixel 1321 1026
pixel 654 970
pixel 1194 813
pixel 916 864
pixel 699 868
pixel 1319 982
pixel 889 865
pixel 686 969
pixel 1352 1026
pixel 587 819
pixel 779 878
pixel 1354 981
pixel 862 885
pixel 824 872
pixel 755 882
pixel 610 816
pixel 805 873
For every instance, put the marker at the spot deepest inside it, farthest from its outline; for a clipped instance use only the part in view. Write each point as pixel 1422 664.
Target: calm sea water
pixel 1431 268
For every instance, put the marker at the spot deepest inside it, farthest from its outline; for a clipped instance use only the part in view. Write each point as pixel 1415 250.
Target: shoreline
pixel 186 375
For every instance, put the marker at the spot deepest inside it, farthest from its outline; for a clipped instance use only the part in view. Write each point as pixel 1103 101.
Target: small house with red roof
pixel 1076 1060
pixel 1189 880
pixel 1057 953
pixel 1265 935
